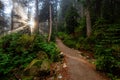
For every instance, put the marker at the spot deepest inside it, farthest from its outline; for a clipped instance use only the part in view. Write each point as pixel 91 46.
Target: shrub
pixel 106 61
pixel 18 50
pixel 51 50
pixel 63 36
pixel 70 43
pixel 13 54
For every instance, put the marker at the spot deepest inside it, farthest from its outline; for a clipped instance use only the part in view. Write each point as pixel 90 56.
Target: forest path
pixel 78 67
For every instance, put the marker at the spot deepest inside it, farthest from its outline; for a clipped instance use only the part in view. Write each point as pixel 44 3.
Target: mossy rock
pixel 33 68
pixel 45 65
pixel 42 55
pixel 45 68
pixel 37 68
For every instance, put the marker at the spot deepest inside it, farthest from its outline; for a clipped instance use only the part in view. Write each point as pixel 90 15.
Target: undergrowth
pixel 18 50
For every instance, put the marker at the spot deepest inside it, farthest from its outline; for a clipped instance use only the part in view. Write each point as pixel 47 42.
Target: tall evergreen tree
pixel 71 19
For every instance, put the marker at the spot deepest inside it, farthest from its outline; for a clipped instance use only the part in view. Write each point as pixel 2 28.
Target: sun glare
pixel 27 18
pixel 32 24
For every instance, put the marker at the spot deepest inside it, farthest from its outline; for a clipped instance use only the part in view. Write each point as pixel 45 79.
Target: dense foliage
pixel 18 50
pixel 71 20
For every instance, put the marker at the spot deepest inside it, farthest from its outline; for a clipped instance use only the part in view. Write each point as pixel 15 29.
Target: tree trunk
pixel 12 23
pixel 36 26
pixel 50 29
pixel 56 25
pixel 88 22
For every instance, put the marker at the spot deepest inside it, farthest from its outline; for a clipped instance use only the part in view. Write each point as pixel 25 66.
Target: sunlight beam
pixel 31 24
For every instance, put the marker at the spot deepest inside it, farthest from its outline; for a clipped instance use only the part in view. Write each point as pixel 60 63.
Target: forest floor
pixel 77 66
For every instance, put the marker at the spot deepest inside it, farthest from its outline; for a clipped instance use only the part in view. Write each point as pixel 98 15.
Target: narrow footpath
pixel 78 67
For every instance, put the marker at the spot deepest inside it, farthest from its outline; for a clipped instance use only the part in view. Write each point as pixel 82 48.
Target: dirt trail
pixel 78 67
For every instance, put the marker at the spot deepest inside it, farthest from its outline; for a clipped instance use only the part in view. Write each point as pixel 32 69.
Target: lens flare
pixel 31 24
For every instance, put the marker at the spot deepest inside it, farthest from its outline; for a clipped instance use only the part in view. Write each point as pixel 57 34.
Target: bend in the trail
pixel 78 67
